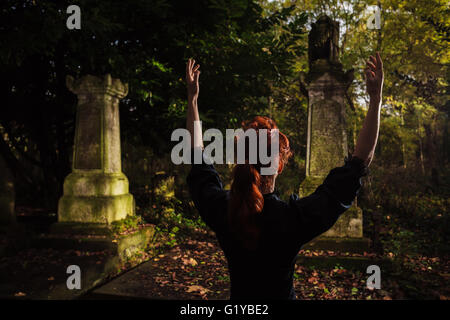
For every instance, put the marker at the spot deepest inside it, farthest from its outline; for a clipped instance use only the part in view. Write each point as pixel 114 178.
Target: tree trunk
pixel 402 142
pixel 422 166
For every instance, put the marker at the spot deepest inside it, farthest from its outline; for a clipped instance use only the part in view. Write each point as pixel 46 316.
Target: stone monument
pixel 326 86
pixel 96 191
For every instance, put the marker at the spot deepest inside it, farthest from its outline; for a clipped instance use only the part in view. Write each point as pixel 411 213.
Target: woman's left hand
pixel 374 77
pixel 192 75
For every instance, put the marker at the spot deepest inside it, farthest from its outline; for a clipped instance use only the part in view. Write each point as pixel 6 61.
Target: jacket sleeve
pixel 318 212
pixel 208 194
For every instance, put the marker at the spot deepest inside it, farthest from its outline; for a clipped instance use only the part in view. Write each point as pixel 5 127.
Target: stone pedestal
pixel 96 192
pixel 326 84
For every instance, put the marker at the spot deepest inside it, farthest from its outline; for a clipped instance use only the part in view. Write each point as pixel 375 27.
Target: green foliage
pixel 415 212
pixel 128 224
pixel 242 50
pixel 174 219
pixel 225 278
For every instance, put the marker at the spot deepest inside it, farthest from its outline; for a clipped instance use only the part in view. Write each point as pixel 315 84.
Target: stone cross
pixel 326 85
pixel 96 191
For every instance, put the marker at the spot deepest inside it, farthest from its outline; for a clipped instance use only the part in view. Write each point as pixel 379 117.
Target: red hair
pixel 246 199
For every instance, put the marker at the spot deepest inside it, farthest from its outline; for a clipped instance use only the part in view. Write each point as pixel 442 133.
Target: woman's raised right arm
pixel 368 136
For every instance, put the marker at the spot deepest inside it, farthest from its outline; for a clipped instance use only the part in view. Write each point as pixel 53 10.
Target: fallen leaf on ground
pixel 198 288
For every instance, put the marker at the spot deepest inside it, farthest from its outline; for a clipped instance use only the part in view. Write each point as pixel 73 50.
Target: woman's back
pixel 265 270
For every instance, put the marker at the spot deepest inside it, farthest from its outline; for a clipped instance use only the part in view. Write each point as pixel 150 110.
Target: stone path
pixel 195 269
pixel 134 284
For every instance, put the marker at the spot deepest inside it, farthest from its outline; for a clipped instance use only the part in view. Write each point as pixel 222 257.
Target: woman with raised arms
pixel 259 233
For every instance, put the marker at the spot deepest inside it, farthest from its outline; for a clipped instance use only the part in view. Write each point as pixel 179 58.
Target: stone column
pixel 326 84
pixel 96 191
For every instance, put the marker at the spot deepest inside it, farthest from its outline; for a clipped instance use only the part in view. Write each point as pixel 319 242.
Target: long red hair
pixel 246 199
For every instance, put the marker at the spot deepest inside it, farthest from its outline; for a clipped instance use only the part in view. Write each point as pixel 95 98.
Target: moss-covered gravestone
pixel 96 193
pixel 326 85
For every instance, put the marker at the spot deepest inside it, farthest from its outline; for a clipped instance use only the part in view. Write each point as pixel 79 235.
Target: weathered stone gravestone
pixel 96 193
pixel 326 85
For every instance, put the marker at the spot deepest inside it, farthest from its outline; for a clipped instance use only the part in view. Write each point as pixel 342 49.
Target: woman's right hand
pixel 192 75
pixel 368 136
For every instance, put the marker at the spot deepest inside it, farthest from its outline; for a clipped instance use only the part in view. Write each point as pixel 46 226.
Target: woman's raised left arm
pixel 203 180
pixel 193 118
